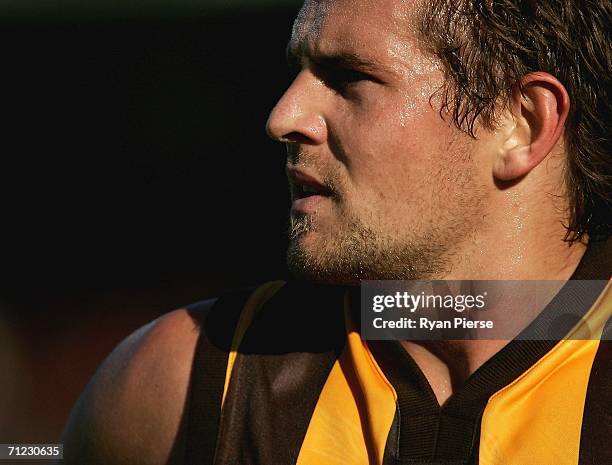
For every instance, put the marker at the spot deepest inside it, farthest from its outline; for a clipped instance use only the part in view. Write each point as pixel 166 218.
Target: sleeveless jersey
pixel 281 376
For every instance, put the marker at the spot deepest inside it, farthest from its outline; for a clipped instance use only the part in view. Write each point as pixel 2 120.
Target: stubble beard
pixel 358 252
pixel 355 250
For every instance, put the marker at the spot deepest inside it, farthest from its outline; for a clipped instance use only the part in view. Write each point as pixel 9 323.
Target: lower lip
pixel 308 204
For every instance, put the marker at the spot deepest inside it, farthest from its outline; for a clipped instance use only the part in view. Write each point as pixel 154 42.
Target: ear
pixel 539 106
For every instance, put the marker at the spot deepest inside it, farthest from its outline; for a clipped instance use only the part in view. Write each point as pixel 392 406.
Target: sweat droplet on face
pixel 416 104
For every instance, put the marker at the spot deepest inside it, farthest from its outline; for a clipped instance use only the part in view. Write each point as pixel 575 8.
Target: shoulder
pixel 132 409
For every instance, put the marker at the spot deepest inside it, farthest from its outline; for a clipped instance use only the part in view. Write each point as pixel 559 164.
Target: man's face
pixel 382 186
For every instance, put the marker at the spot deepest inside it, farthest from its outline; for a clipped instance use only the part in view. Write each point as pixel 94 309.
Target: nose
pixel 297 117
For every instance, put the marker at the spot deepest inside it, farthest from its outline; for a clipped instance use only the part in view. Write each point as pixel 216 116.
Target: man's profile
pixel 426 140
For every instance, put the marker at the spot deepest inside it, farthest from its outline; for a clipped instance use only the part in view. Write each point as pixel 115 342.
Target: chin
pixel 307 260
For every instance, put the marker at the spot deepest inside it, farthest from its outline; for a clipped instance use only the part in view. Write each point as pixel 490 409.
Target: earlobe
pixel 532 126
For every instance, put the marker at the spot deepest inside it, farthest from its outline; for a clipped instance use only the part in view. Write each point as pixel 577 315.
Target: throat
pixel 448 364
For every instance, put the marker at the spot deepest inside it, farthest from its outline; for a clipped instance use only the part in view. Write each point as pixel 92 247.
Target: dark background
pixel 136 177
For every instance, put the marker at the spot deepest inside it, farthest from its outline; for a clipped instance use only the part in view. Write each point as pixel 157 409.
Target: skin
pixel 373 136
pixel 411 197
pixel 131 412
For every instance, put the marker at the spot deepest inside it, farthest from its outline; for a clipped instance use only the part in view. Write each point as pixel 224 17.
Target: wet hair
pixel 487 46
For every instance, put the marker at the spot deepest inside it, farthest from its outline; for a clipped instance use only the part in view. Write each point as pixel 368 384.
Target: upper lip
pixel 300 178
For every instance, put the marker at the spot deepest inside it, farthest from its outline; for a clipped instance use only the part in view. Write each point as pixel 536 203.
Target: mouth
pixel 307 190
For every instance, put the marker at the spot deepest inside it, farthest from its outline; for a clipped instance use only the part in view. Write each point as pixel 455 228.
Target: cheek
pixel 395 147
pixel 391 153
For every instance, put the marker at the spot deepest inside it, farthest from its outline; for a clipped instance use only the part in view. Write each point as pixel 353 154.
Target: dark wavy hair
pixel 487 46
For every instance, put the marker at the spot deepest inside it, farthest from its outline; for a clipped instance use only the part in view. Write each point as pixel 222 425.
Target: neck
pixel 517 247
pixel 523 240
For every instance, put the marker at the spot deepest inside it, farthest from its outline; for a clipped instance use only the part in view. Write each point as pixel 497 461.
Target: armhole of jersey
pixel 222 327
pixel 257 299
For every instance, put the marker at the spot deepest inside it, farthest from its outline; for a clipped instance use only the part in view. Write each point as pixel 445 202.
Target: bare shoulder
pixel 132 409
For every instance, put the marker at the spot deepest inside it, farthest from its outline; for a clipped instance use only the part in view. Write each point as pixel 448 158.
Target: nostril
pixel 295 138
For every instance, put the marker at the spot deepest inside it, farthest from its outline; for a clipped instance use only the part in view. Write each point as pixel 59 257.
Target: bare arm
pixel 131 411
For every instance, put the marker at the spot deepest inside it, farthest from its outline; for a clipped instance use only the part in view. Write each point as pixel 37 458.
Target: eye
pixel 342 79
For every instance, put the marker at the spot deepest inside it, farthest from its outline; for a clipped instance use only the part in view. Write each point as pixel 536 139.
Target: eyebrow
pixel 337 60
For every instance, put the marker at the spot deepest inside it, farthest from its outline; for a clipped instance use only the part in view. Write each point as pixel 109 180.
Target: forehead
pixel 382 29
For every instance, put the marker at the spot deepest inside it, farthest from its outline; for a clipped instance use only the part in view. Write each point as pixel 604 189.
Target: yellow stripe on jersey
pixel 355 410
pixel 537 419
